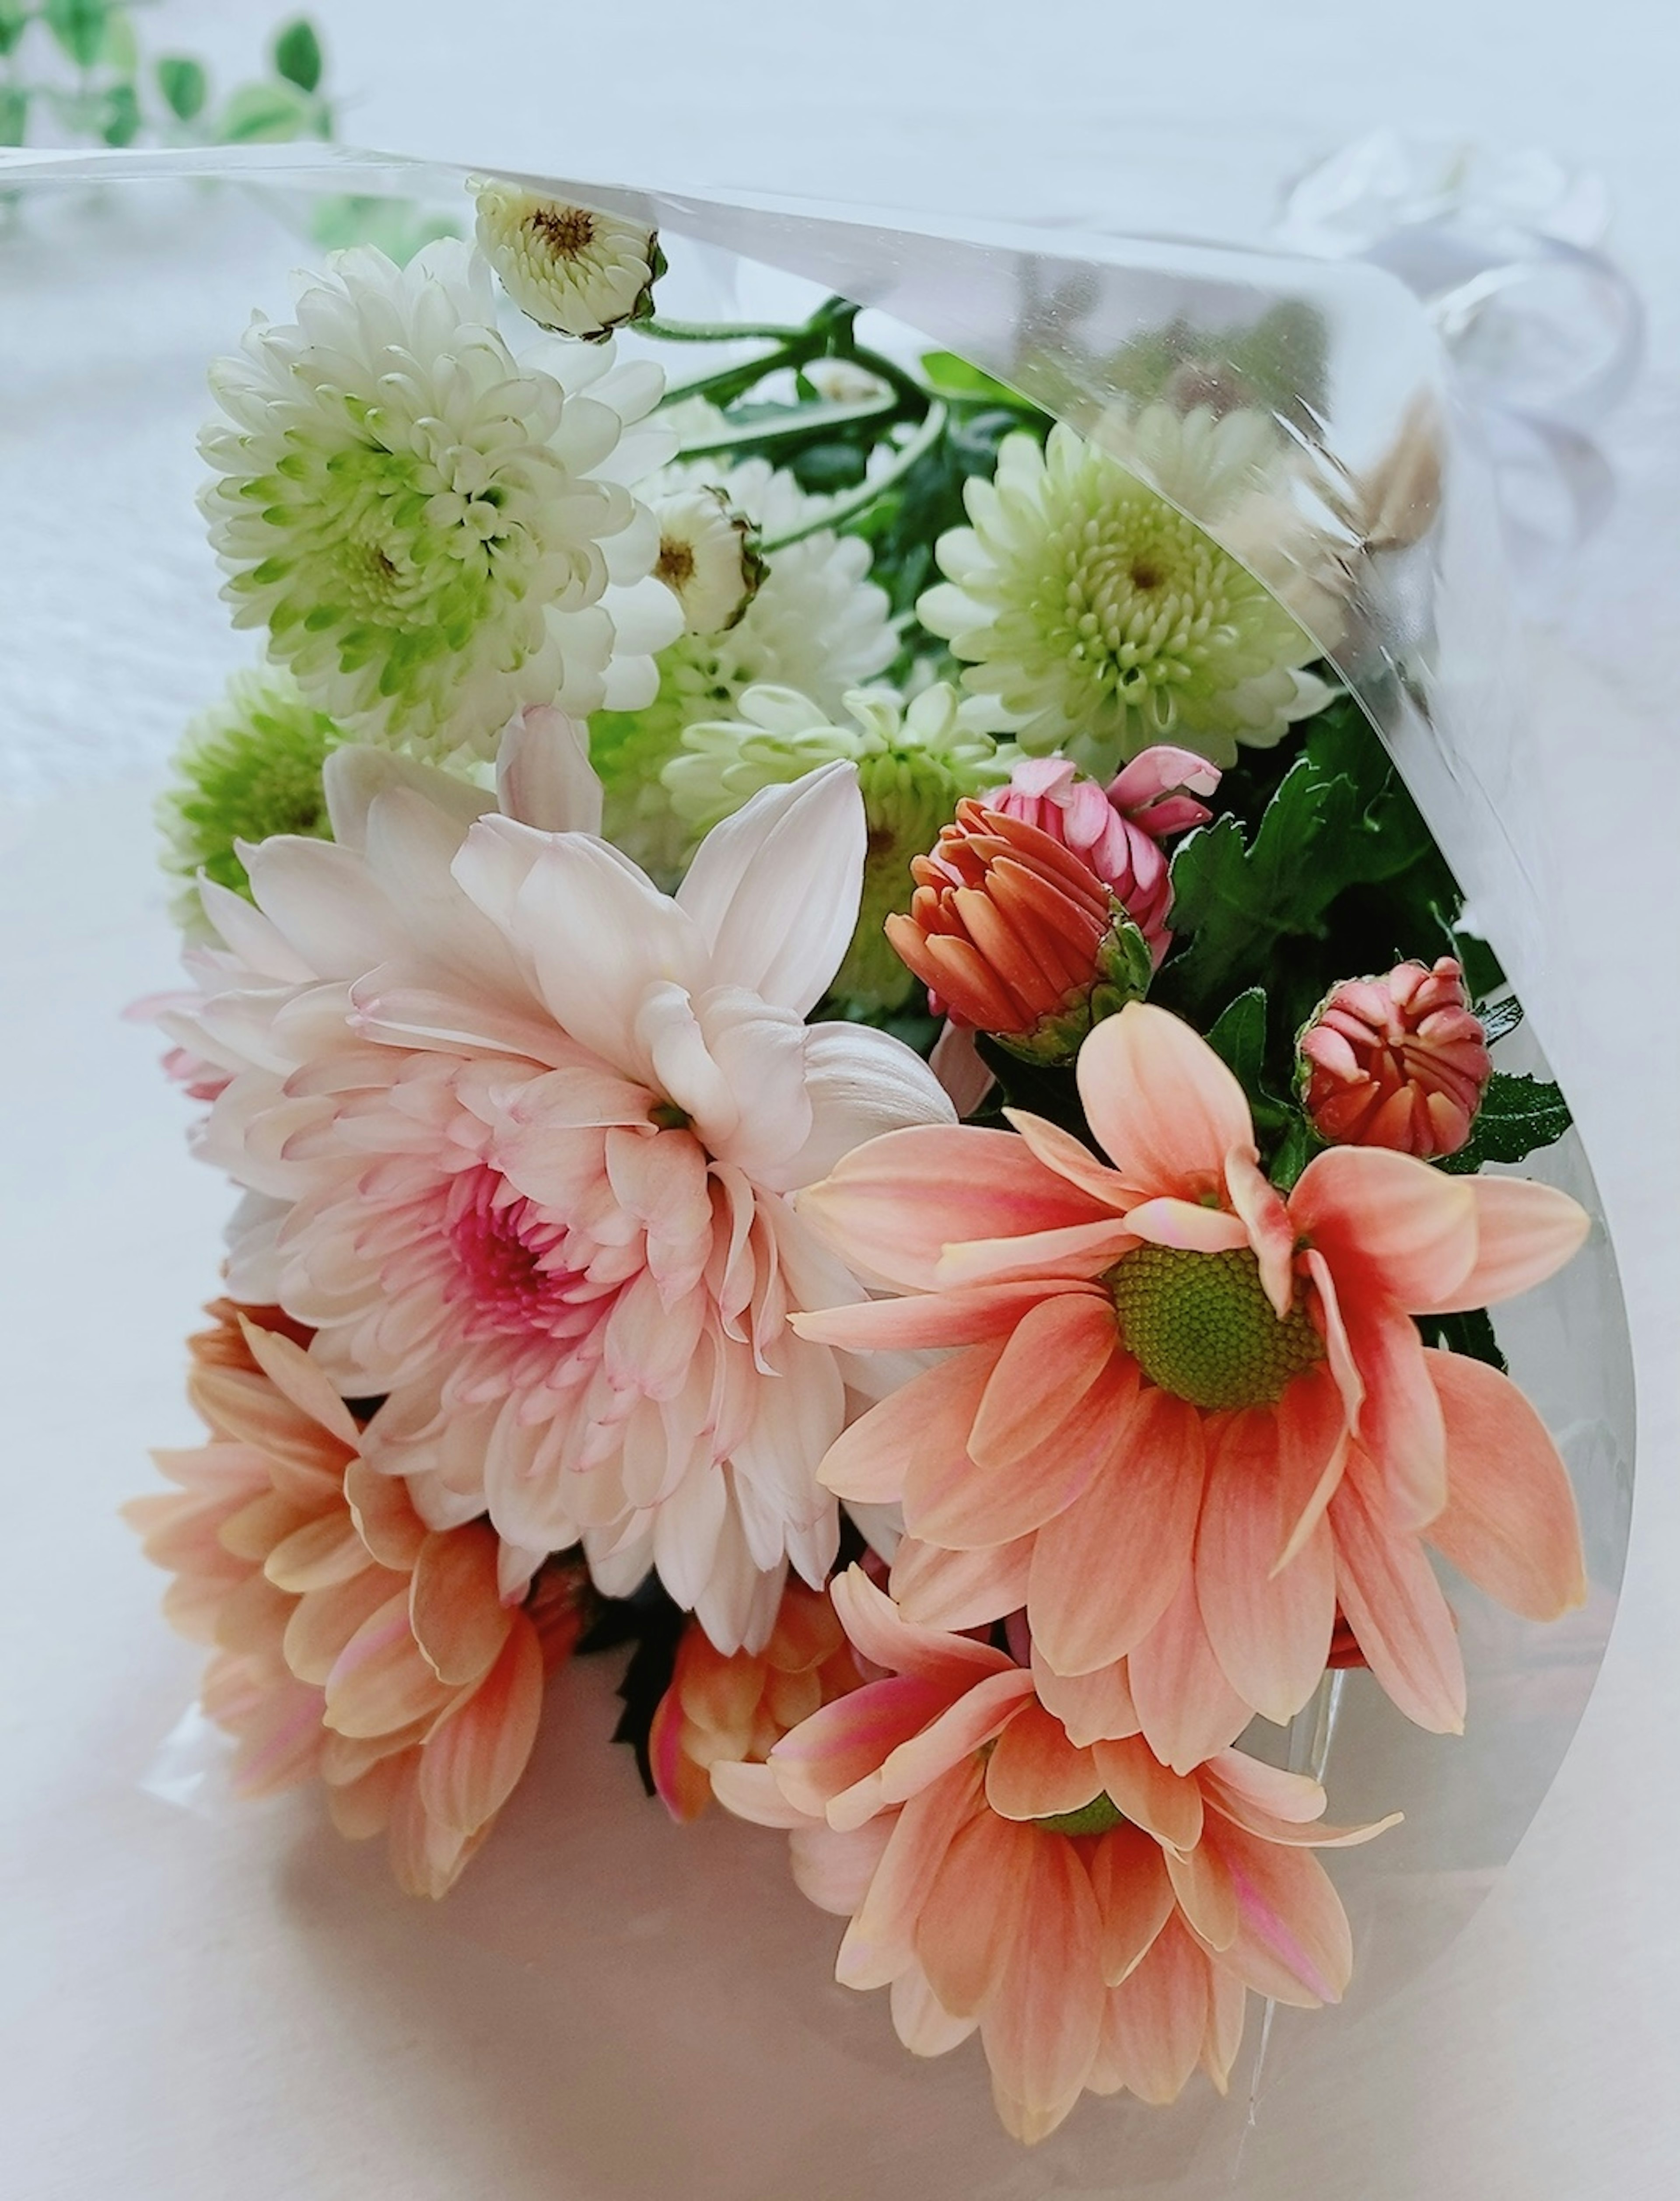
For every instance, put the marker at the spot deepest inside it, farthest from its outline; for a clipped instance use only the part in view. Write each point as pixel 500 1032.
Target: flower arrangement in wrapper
pixel 850 1062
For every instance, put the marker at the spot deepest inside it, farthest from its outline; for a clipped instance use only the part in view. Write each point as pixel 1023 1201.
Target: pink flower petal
pixel 920 2020
pixel 1400 1428
pixel 1070 1158
pixel 1395 1606
pixel 454 1604
pixel 1165 1804
pixel 1090 1707
pixel 851 1739
pixel 1313 1438
pixel 1524 1233
pixel 1207 1894
pixel 1134 1898
pixel 1270 1630
pixel 937 1588
pixel 953 1735
pixel 1042 2028
pixel 1035 1771
pixel 1055 1354
pixel 921 1427
pixel 1163 1107
pixel 891 1207
pixel 1104 1571
pixel 934 1319
pixel 1266 1219
pixel 877 1627
pixel 1187 1224
pixel 1387 1223
pixel 1155 2021
pixel 1292 1941
pixel 880 1941
pixel 969 1919
pixel 1510 1522
pixel 474 1757
pixel 1084 1250
pixel 1186 1707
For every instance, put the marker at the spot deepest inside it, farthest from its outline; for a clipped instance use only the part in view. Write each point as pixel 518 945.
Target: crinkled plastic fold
pixel 1387 494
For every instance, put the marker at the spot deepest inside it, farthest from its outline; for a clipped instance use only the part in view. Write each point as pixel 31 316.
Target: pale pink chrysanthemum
pixel 531 1126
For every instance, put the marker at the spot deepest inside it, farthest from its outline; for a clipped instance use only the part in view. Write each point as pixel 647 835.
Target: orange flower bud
pixel 1015 935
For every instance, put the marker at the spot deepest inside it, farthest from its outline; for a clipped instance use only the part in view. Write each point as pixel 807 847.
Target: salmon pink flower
pixel 1188 1414
pixel 352 1642
pixel 1013 933
pixel 1118 829
pixel 1098 1917
pixel 735 1708
pixel 1398 1061
pixel 526 1128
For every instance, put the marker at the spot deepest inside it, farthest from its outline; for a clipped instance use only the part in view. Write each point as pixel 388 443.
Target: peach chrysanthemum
pixel 1098 1917
pixel 526 1127
pixel 1188 1414
pixel 352 1642
pixel 736 1708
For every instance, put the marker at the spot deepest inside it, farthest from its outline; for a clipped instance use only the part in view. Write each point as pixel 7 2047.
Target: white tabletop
pixel 198 2004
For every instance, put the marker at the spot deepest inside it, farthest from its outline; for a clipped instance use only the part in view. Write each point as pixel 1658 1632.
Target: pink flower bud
pixel 1398 1061
pixel 1118 831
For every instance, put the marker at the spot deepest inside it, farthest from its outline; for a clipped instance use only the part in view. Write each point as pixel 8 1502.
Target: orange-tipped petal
pixel 1269 1631
pixel 455 1606
pixel 1055 1354
pixel 892 1206
pixel 881 1940
pixel 922 1426
pixel 970 1507
pixel 473 1757
pixel 1041 2029
pixel 1166 1803
pixel 1104 1571
pixel 1163 1107
pixel 1134 1898
pixel 1395 1606
pixel 1035 1772
pixel 1510 1522
pixel 1526 1232
pixel 1185 1706
pixel 1155 2021
pixel 1388 1224
pixel 954 1590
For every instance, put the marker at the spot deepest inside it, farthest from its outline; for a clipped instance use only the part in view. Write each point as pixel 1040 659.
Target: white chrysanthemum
pixel 434 532
pixel 1238 473
pixel 915 761
pixel 707 558
pixel 525 1133
pixel 1100 619
pixel 572 268
pixel 816 623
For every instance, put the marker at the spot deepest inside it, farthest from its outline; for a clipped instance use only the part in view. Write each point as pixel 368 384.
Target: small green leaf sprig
pixel 111 95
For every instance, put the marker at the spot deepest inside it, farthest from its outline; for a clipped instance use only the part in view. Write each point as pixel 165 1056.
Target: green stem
pixel 848 508
pixel 719 332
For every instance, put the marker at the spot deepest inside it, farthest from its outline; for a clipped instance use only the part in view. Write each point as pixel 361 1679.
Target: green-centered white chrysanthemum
pixel 571 268
pixel 1100 619
pixel 915 762
pixel 434 532
pixel 816 623
pixel 247 768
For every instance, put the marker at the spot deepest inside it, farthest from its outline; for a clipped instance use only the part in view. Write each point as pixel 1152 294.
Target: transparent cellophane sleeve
pixel 700 1969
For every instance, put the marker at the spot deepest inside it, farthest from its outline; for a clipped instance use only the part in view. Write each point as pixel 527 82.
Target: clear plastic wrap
pixel 127 271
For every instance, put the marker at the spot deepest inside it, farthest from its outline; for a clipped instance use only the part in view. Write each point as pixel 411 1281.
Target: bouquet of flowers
pixel 849 1065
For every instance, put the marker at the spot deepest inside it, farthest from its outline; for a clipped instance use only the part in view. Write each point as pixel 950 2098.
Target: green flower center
pixel 1201 1326
pixel 1099 1816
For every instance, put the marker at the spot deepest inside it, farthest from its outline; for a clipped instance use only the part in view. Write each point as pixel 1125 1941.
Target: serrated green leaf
pixel 1237 1036
pixel 266 114
pixel 14 113
pixel 184 85
pixel 297 56
pixel 1518 1116
pixel 78 25
pixel 121 125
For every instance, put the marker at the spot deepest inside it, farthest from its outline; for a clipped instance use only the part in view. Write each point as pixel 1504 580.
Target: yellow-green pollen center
pixel 1099 1816
pixel 1201 1326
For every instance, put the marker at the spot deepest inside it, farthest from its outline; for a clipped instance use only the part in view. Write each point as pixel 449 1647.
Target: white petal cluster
pixel 434 532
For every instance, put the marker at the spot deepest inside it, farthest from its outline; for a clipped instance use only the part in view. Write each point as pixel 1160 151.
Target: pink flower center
pixel 510 1270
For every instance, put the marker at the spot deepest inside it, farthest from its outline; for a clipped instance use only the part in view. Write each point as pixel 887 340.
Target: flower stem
pixel 848 508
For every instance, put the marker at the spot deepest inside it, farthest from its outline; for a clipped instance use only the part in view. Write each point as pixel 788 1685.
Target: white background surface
pixel 195 2007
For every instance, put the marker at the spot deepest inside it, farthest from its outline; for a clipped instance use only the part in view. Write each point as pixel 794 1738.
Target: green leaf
pixel 78 25
pixel 1499 1019
pixel 1237 1036
pixel 14 113
pixel 822 469
pixel 184 85
pixel 121 122
pixel 952 377
pixel 1518 1115
pixel 1471 1333
pixel 120 50
pixel 13 21
pixel 266 115
pixel 298 58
